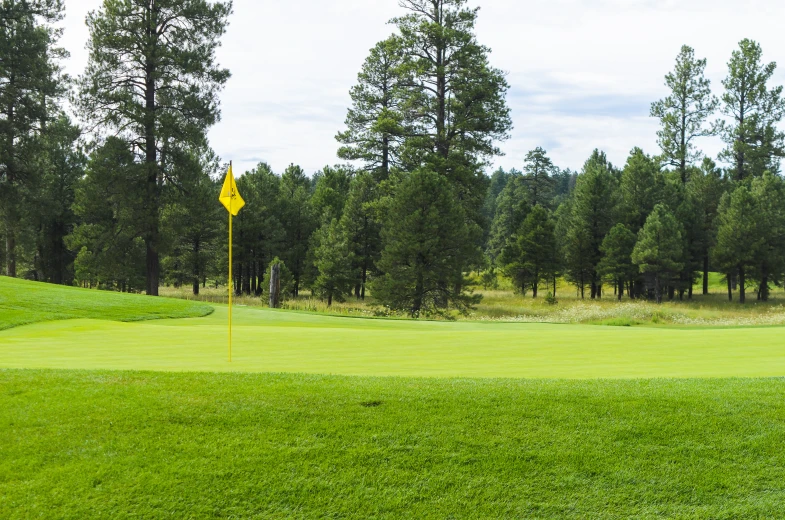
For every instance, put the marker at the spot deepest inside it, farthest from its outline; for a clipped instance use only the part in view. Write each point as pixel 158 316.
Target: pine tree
pixel 30 81
pixel 593 206
pixel 739 241
pixel 152 78
pixel 426 240
pixel 512 207
pixel 192 243
pixel 683 114
pixel 616 264
pixel 769 194
pixel 532 257
pixel 361 222
pixel 641 188
pixel 298 221
pixel 537 177
pixel 704 191
pixel 376 123
pixel 455 100
pixel 110 251
pixel 333 260
pixel 754 143
pixel 659 248
pixel 330 191
pixel 50 213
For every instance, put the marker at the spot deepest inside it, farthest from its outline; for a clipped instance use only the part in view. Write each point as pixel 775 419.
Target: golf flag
pixel 233 203
pixel 230 197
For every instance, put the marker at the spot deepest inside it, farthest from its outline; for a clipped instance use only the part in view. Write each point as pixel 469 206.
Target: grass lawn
pixel 283 341
pixel 163 445
pixel 147 419
pixel 23 302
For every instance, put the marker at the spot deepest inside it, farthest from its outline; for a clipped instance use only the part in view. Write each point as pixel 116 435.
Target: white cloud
pixel 582 74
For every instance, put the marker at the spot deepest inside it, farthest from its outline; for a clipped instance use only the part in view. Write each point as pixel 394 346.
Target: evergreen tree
pixel 361 223
pixel 739 241
pixel 193 243
pixel 298 221
pixel 455 100
pixel 496 184
pixel 426 241
pixel 659 249
pixel 258 230
pixel 532 257
pixel 769 194
pixel 30 82
pixel 593 207
pixel 61 165
pixel 683 114
pixel 704 191
pixel 754 143
pixel 512 207
pixel 641 188
pixel 375 123
pixel 152 78
pixel 333 260
pixel 537 176
pixel 108 203
pixel 331 191
pixel 616 264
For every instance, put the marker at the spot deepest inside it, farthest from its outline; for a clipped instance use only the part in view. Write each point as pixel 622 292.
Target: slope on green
pixel 23 302
pixel 281 341
pixel 153 445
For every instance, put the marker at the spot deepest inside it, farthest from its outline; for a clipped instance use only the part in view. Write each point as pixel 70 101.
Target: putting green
pixel 278 341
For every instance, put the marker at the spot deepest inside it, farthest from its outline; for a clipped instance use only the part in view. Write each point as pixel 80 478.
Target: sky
pixel 582 74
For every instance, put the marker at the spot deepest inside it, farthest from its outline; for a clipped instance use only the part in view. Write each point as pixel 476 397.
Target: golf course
pixel 121 406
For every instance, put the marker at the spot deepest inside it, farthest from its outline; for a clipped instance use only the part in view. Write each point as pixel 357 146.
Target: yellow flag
pixel 229 196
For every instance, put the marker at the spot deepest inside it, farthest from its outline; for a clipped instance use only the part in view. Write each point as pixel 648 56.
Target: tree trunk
pixel 275 286
pixel 657 290
pixel 742 289
pixel 365 279
pixel 246 289
pixel 151 160
pixel 10 251
pixel 730 289
pixel 706 275
pixel 764 283
pixel 195 273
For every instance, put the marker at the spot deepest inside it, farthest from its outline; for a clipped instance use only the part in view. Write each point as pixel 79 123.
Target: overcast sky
pixel 582 73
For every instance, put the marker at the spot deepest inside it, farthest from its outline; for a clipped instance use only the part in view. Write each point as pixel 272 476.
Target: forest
pixel 108 180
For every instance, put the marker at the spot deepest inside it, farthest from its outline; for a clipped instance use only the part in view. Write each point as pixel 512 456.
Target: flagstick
pixel 230 272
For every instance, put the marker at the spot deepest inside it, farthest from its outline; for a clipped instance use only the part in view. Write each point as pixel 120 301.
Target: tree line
pixel 129 200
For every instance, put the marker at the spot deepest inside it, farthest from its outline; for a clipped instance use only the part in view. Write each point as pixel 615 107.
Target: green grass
pixel 162 445
pixel 285 341
pixel 150 427
pixel 502 304
pixel 23 302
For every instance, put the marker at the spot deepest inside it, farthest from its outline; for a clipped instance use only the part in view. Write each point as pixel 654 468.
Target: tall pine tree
pixel 153 79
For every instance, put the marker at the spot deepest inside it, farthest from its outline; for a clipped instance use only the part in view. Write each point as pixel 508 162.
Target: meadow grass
pixel 503 304
pixel 79 445
pixel 23 302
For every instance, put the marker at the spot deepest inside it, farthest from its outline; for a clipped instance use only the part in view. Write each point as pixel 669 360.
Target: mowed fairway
pixel 76 444
pixel 279 341
pixel 510 420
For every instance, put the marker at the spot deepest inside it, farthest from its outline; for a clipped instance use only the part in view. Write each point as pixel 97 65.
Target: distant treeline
pixel 129 200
